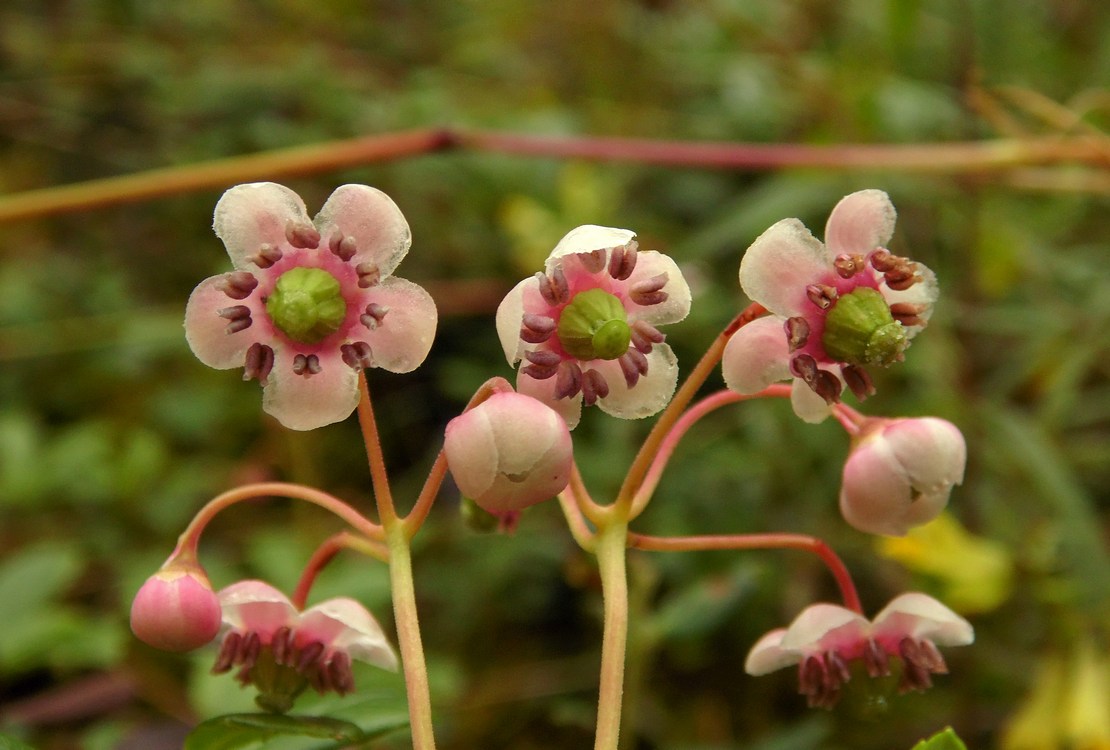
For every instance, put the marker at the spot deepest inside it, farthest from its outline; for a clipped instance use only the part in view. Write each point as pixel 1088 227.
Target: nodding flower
pixel 826 640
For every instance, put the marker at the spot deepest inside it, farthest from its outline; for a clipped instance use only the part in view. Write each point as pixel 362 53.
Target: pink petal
pixel 305 403
pixel 403 339
pixel 825 626
pixel 767 654
pixel 780 264
pixel 248 216
pixel 650 394
pixel 379 229
pixel 677 305
pixel 256 605
pixel 346 625
pixel 860 222
pixel 919 616
pixel 570 409
pixel 207 333
pixel 510 315
pixel 808 405
pixel 587 238
pixel 756 356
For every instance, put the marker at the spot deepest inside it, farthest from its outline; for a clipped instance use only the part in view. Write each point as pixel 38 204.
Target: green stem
pixel 611 559
pixel 408 638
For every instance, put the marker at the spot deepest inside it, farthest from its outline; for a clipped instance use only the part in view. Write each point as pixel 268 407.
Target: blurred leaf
pixel 252 730
pixel 33 576
pixel 701 607
pixel 943 740
pixel 7 742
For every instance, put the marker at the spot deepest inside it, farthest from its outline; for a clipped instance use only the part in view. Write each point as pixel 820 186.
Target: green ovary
pixel 594 326
pixel 307 305
pixel 860 330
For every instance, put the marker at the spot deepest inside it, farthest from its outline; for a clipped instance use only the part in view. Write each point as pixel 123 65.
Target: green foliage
pixel 242 731
pixel 112 435
pixel 943 740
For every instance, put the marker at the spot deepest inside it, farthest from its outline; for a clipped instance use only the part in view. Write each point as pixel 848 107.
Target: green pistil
pixel 594 326
pixel 860 330
pixel 307 305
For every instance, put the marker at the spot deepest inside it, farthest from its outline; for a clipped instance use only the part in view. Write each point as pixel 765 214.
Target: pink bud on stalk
pixel 900 473
pixel 509 452
pixel 176 609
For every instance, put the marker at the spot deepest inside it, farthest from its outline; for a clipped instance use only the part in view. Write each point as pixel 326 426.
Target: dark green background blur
pixel 112 434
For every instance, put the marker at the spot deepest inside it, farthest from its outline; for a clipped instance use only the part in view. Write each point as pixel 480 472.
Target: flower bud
pixel 509 452
pixel 900 473
pixel 176 609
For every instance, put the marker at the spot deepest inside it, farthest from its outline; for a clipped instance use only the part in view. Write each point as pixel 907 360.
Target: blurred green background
pixel 112 435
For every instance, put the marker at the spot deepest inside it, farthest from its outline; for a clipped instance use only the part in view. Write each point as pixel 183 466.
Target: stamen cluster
pixel 586 325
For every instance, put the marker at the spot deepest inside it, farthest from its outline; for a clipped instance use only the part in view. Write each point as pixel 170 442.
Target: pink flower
pixel 900 473
pixel 836 307
pixel 587 324
pixel 509 452
pixel 176 609
pixel 310 302
pixel 282 650
pixel 825 639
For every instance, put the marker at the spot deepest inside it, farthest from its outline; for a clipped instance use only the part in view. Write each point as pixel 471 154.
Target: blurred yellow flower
pixel 976 573
pixel 1067 707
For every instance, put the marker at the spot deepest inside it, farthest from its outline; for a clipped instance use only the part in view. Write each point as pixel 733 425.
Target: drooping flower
pixel 176 609
pixel 283 651
pixel 837 307
pixel 826 639
pixel 509 452
pixel 310 302
pixel 900 473
pixel 586 326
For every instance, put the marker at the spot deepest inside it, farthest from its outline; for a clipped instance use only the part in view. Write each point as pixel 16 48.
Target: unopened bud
pixel 509 452
pixel 176 609
pixel 900 474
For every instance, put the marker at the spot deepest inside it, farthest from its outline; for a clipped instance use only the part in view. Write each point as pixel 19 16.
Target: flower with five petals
pixel 586 326
pixel 837 307
pixel 310 302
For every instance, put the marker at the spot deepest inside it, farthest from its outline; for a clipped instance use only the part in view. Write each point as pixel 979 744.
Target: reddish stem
pixel 325 553
pixel 757 541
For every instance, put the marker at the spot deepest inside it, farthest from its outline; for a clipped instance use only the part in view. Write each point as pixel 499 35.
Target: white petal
pixel 650 394
pixel 570 409
pixel 767 654
pixel 379 229
pixel 255 605
pixel 305 403
pixel 780 264
pixel 808 405
pixel 207 333
pixel 587 238
pixel 346 625
pixel 756 356
pixel 402 341
pixel 677 305
pixel 248 216
pixel 920 616
pixel 818 621
pixel 860 222
pixel 510 315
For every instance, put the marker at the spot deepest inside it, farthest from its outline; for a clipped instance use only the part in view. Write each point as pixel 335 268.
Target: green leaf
pixel 7 742
pixel 250 730
pixel 946 739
